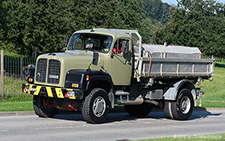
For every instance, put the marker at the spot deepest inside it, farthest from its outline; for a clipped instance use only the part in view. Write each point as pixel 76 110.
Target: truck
pixel 101 68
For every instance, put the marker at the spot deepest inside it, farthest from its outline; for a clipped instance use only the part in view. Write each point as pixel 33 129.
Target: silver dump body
pixel 161 61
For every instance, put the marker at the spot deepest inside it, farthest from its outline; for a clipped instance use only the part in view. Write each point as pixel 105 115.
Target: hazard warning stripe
pixel 38 88
pixel 49 91
pixel 54 93
pixel 59 93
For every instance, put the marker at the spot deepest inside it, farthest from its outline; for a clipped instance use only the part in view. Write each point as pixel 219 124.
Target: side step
pixel 123 98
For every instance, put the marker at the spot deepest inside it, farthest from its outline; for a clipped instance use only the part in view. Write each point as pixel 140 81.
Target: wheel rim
pixel 185 105
pixel 99 106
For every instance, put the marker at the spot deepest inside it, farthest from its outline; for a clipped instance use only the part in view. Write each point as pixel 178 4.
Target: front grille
pixel 53 71
pixel 41 70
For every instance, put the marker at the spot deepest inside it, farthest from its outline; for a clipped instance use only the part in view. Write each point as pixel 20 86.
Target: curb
pixel 116 110
pixel 17 113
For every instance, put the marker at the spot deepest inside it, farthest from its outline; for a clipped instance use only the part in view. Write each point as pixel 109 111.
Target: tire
pixel 96 106
pixel 138 110
pixel 182 108
pixel 41 109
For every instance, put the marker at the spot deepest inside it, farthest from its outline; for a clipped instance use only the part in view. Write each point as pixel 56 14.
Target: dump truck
pixel 101 68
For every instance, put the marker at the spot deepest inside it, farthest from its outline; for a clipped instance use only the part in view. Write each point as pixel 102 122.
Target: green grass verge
pixel 6 106
pixel 214 90
pixel 210 137
pixel 14 99
pixel 13 88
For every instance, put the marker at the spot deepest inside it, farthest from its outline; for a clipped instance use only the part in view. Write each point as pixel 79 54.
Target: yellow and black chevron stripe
pixel 46 91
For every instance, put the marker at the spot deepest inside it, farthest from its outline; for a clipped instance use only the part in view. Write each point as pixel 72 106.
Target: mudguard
pixel 170 93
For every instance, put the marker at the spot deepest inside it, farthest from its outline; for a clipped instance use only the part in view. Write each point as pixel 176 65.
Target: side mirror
pixel 95 58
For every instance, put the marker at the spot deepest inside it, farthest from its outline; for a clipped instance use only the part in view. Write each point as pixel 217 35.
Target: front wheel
pixel 41 109
pixel 182 108
pixel 96 106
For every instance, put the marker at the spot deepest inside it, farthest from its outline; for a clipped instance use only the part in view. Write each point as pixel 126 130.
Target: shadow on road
pixel 202 113
pixel 116 116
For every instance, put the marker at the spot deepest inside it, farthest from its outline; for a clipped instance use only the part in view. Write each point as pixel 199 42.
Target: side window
pixel 121 46
pixel 125 46
pixel 115 47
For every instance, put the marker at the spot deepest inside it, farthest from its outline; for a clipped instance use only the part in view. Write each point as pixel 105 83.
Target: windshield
pixel 90 41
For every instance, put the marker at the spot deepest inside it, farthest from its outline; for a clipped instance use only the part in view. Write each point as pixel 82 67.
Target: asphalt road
pixel 119 126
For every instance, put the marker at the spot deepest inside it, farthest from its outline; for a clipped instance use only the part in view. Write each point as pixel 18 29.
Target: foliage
pixel 199 23
pixel 25 24
pixel 147 30
pixel 33 23
pixel 157 10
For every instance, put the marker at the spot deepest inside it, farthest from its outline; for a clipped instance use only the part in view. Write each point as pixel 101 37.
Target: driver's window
pixel 115 48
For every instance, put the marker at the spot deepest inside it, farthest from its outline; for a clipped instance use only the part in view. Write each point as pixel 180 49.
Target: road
pixel 119 126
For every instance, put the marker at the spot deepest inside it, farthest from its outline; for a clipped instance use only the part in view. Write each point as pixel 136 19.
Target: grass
pixel 6 106
pixel 214 90
pixel 14 99
pixel 192 138
pixel 12 87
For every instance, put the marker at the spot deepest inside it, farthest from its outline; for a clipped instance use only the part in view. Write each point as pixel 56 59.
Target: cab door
pixel 121 62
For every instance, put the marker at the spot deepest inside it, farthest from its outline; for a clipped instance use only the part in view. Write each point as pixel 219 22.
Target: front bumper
pixel 53 92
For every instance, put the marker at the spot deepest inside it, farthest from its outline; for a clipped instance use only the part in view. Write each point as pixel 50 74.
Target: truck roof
pixel 111 32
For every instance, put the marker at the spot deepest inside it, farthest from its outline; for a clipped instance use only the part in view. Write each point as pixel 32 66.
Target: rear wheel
pixel 138 110
pixel 41 109
pixel 96 106
pixel 182 108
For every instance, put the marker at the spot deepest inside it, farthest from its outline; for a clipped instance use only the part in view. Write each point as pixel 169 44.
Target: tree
pixel 196 23
pixel 157 10
pixel 34 24
pixel 26 24
pixel 2 22
pixel 147 30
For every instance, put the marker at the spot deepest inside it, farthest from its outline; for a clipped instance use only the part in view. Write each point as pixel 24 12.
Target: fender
pixel 99 77
pixel 86 79
pixel 104 81
pixel 170 93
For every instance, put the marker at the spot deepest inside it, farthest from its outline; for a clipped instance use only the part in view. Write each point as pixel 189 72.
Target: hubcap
pixel 185 105
pixel 99 106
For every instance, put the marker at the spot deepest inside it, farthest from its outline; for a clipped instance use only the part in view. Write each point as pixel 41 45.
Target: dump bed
pixel 162 61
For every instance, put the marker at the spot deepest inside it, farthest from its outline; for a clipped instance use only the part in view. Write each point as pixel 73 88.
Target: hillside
pixel 44 24
pixel 25 24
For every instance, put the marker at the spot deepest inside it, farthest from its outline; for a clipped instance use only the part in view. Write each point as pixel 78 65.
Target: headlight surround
pixel 75 79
